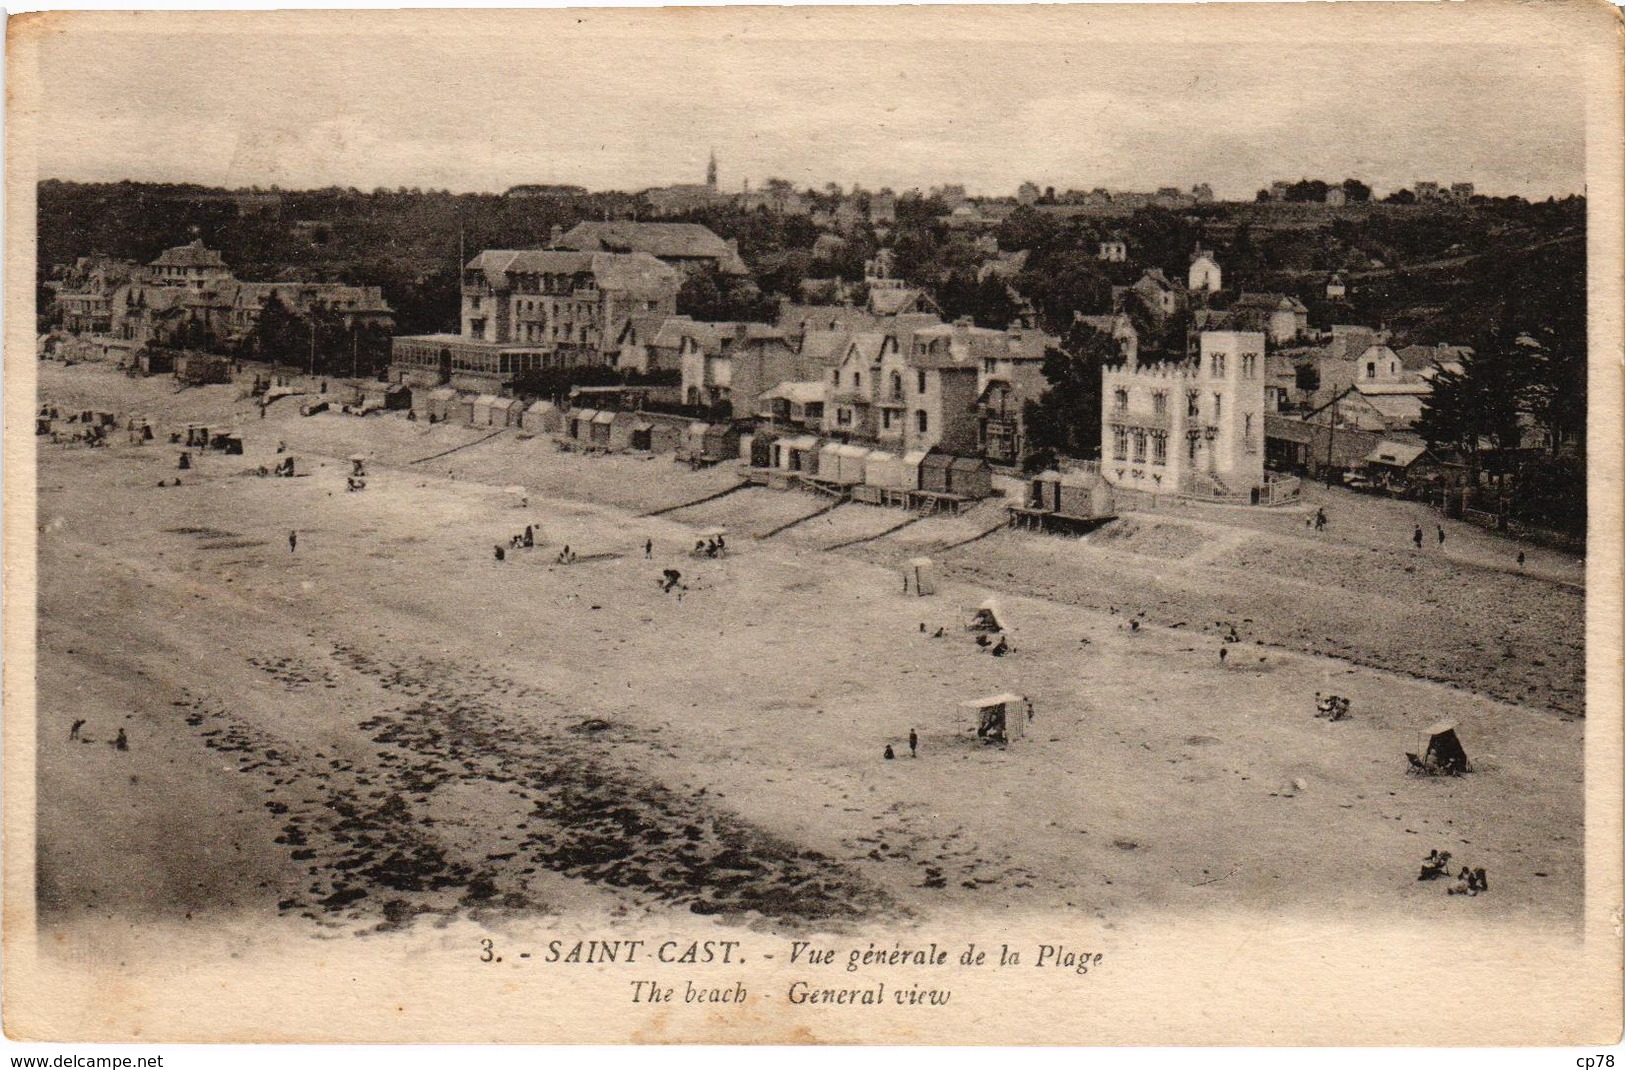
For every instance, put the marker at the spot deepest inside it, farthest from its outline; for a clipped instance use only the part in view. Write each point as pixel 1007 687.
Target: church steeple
pixel 711 171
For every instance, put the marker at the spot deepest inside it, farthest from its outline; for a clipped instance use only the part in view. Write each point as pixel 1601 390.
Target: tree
pixel 278 335
pixel 1479 403
pixel 1311 190
pixel 1061 285
pixel 1066 417
pixel 1356 191
pixel 710 295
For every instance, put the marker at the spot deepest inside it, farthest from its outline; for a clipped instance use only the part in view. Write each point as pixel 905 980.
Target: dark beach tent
pixel 1444 750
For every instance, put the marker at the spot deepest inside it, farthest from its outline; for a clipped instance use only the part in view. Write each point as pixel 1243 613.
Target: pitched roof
pixel 678 241
pixel 635 273
pixel 1269 302
pixel 1402 454
pixel 890 302
pixel 192 254
pixel 643 327
pixel 827 348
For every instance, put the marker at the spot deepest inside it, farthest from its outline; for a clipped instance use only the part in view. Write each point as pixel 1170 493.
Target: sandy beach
pixel 386 724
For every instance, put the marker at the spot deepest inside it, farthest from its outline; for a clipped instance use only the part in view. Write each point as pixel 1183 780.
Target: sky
pixel 902 99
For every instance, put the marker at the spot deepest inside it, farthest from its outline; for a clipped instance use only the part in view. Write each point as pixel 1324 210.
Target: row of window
pixel 1123 438
pixel 1159 402
pixel 888 420
pixel 1218 364
pixel 896 392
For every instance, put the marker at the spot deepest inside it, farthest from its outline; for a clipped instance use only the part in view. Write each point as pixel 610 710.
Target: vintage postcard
pixel 1019 525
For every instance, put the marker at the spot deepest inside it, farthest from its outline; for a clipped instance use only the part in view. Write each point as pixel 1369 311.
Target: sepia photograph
pixel 1064 525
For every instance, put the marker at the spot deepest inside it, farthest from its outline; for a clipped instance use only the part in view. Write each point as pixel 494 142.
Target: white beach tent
pixel 1000 718
pixel 919 576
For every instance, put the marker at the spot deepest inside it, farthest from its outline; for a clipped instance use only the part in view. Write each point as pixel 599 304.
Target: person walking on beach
pixel 913 744
pixel 1520 560
pixel 1320 519
pixel 1224 652
pixel 1417 537
pixel 73 733
pixel 1441 534
pixel 293 541
pixel 122 742
pixel 648 548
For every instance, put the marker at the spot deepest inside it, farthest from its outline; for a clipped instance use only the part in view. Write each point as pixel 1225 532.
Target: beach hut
pixel 878 469
pixel 1000 718
pixel 482 409
pixel 910 469
pixel 970 477
pixel 919 576
pixel 799 453
pixel 829 462
pixel 854 464
pixel 600 429
pixel 621 429
pixel 505 412
pixel 1044 491
pixel 460 408
pixel 439 403
pixel 934 472
pixel 397 396
pixel 761 449
pixel 541 418
pixel 1083 494
pixel 642 435
pixel 721 442
pixel 580 424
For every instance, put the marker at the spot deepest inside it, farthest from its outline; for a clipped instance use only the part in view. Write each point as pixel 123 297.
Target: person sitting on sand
pixel 1433 866
pixel 122 742
pixel 1464 884
pixel 889 753
pixel 699 546
pixel 1481 879
pixel 983 641
pixel 501 555
pixel 1001 648
pixel 530 536
pixel 73 733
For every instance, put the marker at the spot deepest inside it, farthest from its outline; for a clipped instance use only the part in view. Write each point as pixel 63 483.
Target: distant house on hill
pixel 1281 317
pixel 1205 275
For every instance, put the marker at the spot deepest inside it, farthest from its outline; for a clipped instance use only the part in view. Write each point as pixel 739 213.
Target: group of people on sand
pixel 1331 707
pixel 713 547
pixel 1436 866
pixel 913 747
pixel 1417 536
pixel 526 540
pixel 120 741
